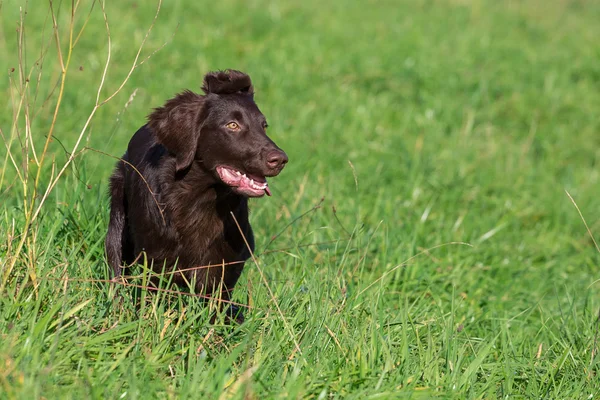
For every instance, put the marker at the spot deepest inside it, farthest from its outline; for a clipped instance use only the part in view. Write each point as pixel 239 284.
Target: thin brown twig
pixel 316 207
pixel 9 155
pixel 56 36
pixel 137 56
pixel 137 172
pixel 409 260
pixel 361 259
pixel 25 79
pixel 222 264
pixel 108 55
pixel 84 24
pixel 149 56
pixel 303 245
pixel 40 63
pixel 159 274
pixel 151 288
pixel 340 222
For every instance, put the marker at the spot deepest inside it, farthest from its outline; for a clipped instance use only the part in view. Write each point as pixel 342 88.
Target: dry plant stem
pixel 29 217
pixel 361 259
pixel 160 210
pixel 24 82
pixel 14 132
pixel 176 292
pixel 589 231
pixel 9 155
pixel 99 103
pixel 31 211
pixel 123 282
pixel 316 207
pixel 409 260
pixel 262 276
pixel 85 23
pixel 40 61
pixel 284 249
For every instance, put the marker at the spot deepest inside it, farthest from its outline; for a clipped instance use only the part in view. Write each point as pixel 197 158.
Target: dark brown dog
pixel 184 174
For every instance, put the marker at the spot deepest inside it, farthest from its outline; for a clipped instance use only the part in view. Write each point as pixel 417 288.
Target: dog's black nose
pixel 276 159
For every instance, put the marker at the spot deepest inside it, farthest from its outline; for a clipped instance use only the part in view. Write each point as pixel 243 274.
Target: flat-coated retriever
pixel 185 173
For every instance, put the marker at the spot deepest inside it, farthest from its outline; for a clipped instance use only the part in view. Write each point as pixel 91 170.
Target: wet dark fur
pixel 179 214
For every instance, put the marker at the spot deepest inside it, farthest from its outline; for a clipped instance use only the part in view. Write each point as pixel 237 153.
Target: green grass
pixel 418 124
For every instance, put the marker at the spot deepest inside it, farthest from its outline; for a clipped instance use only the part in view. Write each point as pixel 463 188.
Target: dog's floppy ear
pixel 176 126
pixel 227 82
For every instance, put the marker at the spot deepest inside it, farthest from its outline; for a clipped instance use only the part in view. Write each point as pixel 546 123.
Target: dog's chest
pixel 211 231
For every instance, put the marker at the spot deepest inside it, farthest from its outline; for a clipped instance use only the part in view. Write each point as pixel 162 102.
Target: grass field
pixel 419 244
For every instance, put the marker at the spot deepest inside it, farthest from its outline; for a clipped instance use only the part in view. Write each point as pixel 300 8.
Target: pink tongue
pixel 267 191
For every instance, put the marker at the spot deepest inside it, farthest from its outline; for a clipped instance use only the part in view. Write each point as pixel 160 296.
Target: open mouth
pixel 246 184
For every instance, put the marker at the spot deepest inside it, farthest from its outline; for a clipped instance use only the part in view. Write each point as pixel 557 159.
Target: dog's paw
pixel 235 314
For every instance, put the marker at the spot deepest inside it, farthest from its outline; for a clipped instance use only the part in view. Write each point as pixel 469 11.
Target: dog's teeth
pixel 238 173
pixel 252 182
pixel 244 175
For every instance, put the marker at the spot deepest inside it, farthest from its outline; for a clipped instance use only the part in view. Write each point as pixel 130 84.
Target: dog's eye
pixel 265 125
pixel 233 126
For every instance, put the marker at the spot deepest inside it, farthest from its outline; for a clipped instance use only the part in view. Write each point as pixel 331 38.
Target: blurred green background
pixel 417 122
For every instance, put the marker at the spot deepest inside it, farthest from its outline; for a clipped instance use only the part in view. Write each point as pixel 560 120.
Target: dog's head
pixel 224 130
